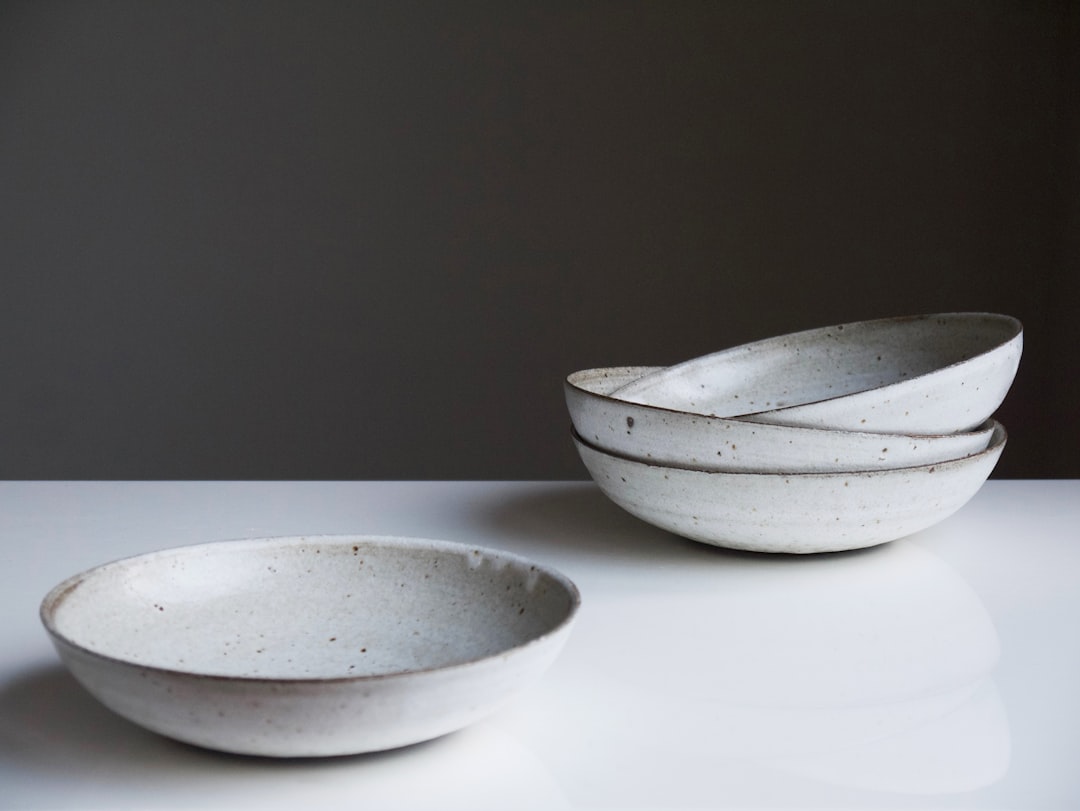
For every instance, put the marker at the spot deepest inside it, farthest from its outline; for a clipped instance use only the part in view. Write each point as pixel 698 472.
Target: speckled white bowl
pixel 314 646
pixel 927 374
pixel 669 437
pixel 792 512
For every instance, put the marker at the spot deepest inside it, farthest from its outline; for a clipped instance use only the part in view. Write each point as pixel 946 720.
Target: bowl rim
pixel 55 596
pixel 998 438
pixel 741 419
pixel 1015 336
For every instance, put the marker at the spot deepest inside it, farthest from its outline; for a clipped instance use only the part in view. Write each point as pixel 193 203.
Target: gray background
pixel 369 240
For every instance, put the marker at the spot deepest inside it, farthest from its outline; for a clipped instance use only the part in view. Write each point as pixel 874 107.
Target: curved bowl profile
pixel 791 512
pixel 310 646
pixel 682 439
pixel 927 374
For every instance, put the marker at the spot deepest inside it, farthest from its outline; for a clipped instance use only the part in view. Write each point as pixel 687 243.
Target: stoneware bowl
pixel 929 374
pixel 797 512
pixel 683 439
pixel 310 646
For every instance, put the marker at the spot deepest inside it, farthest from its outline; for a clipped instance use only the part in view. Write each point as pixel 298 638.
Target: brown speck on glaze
pixel 629 422
pixel 333 639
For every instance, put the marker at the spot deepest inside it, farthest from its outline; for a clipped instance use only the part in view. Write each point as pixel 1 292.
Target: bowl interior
pixel 310 608
pixel 605 380
pixel 821 364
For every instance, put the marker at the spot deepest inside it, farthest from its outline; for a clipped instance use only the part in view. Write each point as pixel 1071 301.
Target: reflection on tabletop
pixel 868 670
pixel 746 680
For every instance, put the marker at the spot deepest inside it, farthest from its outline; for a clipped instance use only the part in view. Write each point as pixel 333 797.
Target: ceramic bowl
pixel 929 374
pixel 796 512
pixel 310 646
pixel 669 437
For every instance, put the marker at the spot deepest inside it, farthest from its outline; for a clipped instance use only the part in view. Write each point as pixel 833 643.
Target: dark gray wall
pixel 368 240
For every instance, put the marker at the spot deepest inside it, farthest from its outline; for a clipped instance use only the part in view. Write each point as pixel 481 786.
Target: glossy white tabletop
pixel 939 671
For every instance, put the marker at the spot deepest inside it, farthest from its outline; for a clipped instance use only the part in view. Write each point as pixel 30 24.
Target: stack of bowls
pixel 823 440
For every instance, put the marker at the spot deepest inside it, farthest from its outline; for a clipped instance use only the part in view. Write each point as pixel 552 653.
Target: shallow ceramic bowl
pixel 929 374
pixel 680 438
pixel 310 646
pixel 797 512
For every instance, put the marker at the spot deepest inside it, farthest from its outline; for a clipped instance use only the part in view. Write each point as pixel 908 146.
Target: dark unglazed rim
pixel 55 596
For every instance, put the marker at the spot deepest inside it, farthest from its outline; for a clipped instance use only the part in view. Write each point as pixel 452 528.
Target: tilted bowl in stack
pixel 824 440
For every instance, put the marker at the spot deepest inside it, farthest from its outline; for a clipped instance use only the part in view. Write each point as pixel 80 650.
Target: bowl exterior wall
pixel 930 374
pixel 795 514
pixel 310 718
pixel 681 439
pixel 953 399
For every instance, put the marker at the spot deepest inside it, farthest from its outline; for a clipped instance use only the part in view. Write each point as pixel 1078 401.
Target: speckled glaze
pixel 798 512
pixel 310 646
pixel 669 437
pixel 927 374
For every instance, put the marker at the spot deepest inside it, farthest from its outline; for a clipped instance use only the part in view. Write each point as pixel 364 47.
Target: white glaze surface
pixel 936 672
pixel 931 374
pixel 669 437
pixel 310 645
pixel 792 512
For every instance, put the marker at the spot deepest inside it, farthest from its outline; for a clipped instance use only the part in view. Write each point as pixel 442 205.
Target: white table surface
pixel 939 671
